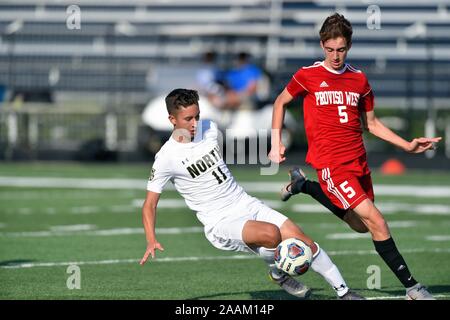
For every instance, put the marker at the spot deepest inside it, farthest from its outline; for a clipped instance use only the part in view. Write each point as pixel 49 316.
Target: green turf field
pixel 61 221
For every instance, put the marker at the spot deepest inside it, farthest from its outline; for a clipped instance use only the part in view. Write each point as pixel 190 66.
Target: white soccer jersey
pixel 199 174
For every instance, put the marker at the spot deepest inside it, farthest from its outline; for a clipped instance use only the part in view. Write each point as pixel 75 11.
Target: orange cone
pixel 393 167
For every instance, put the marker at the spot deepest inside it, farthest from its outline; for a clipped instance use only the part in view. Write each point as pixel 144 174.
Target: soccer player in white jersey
pixel 232 219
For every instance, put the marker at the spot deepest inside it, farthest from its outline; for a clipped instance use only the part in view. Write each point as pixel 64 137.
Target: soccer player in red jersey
pixel 336 96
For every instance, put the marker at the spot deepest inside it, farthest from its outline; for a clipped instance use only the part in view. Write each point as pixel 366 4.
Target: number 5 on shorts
pixel 348 190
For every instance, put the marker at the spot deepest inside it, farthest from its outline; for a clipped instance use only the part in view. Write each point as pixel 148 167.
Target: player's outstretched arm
pixel 276 153
pixel 422 144
pixel 377 128
pixel 149 219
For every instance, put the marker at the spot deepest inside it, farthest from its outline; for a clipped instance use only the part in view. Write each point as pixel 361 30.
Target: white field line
pixel 90 230
pixel 387 208
pixel 423 209
pixel 121 208
pixel 104 232
pixel 85 210
pixel 179 203
pixel 163 203
pixel 419 191
pixel 73 227
pixel 407 223
pixel 63 194
pixel 313 208
pixel 432 191
pixel 392 224
pixel 123 231
pixel 205 258
pixel 438 238
pixel 351 236
pixel 24 211
pixel 82 183
pixel 347 236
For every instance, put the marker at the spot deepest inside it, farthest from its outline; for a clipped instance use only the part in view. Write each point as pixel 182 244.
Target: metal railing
pixel 43 127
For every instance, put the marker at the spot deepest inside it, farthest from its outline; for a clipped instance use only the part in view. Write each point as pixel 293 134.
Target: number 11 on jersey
pixel 219 179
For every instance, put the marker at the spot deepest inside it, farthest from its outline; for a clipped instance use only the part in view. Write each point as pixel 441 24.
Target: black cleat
pixel 298 178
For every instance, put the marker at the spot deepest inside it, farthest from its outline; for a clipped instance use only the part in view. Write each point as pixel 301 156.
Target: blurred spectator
pixel 232 89
pixel 207 75
pixel 243 79
pixel 207 80
pixel 210 83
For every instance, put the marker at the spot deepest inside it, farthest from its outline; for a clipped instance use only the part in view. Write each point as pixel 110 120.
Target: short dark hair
pixel 336 26
pixel 181 98
pixel 243 56
pixel 209 56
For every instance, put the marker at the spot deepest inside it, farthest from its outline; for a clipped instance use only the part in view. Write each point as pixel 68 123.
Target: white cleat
pixel 418 292
pixel 350 295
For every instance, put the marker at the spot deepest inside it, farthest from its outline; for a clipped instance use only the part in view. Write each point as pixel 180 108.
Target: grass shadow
pixel 436 289
pixel 12 263
pixel 263 295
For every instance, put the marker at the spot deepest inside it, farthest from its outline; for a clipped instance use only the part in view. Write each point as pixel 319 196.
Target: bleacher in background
pixel 121 45
pixel 119 41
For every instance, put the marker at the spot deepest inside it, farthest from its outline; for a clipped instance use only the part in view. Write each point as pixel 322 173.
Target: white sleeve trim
pixel 367 93
pixel 153 189
pixel 299 83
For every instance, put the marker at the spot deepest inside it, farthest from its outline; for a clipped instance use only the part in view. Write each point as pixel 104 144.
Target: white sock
pixel 268 256
pixel 323 265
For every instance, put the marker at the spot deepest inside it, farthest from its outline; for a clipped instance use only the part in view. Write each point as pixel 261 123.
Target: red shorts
pixel 348 184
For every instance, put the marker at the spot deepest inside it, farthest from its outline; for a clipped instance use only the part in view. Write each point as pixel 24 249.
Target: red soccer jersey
pixel 333 101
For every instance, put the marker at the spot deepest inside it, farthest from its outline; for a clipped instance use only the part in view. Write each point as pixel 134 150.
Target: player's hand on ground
pixel 151 248
pixel 419 145
pixel 276 153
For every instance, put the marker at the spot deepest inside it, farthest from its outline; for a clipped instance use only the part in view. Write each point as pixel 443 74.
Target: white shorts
pixel 227 233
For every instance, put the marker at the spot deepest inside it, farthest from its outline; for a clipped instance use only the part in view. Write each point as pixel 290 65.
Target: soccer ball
pixel 293 256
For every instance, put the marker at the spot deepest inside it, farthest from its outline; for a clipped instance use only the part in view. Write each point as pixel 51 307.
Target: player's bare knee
pixel 379 222
pixel 290 230
pixel 379 228
pixel 272 235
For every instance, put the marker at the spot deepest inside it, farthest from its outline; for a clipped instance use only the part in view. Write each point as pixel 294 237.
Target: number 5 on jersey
pixel 219 179
pixel 343 115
